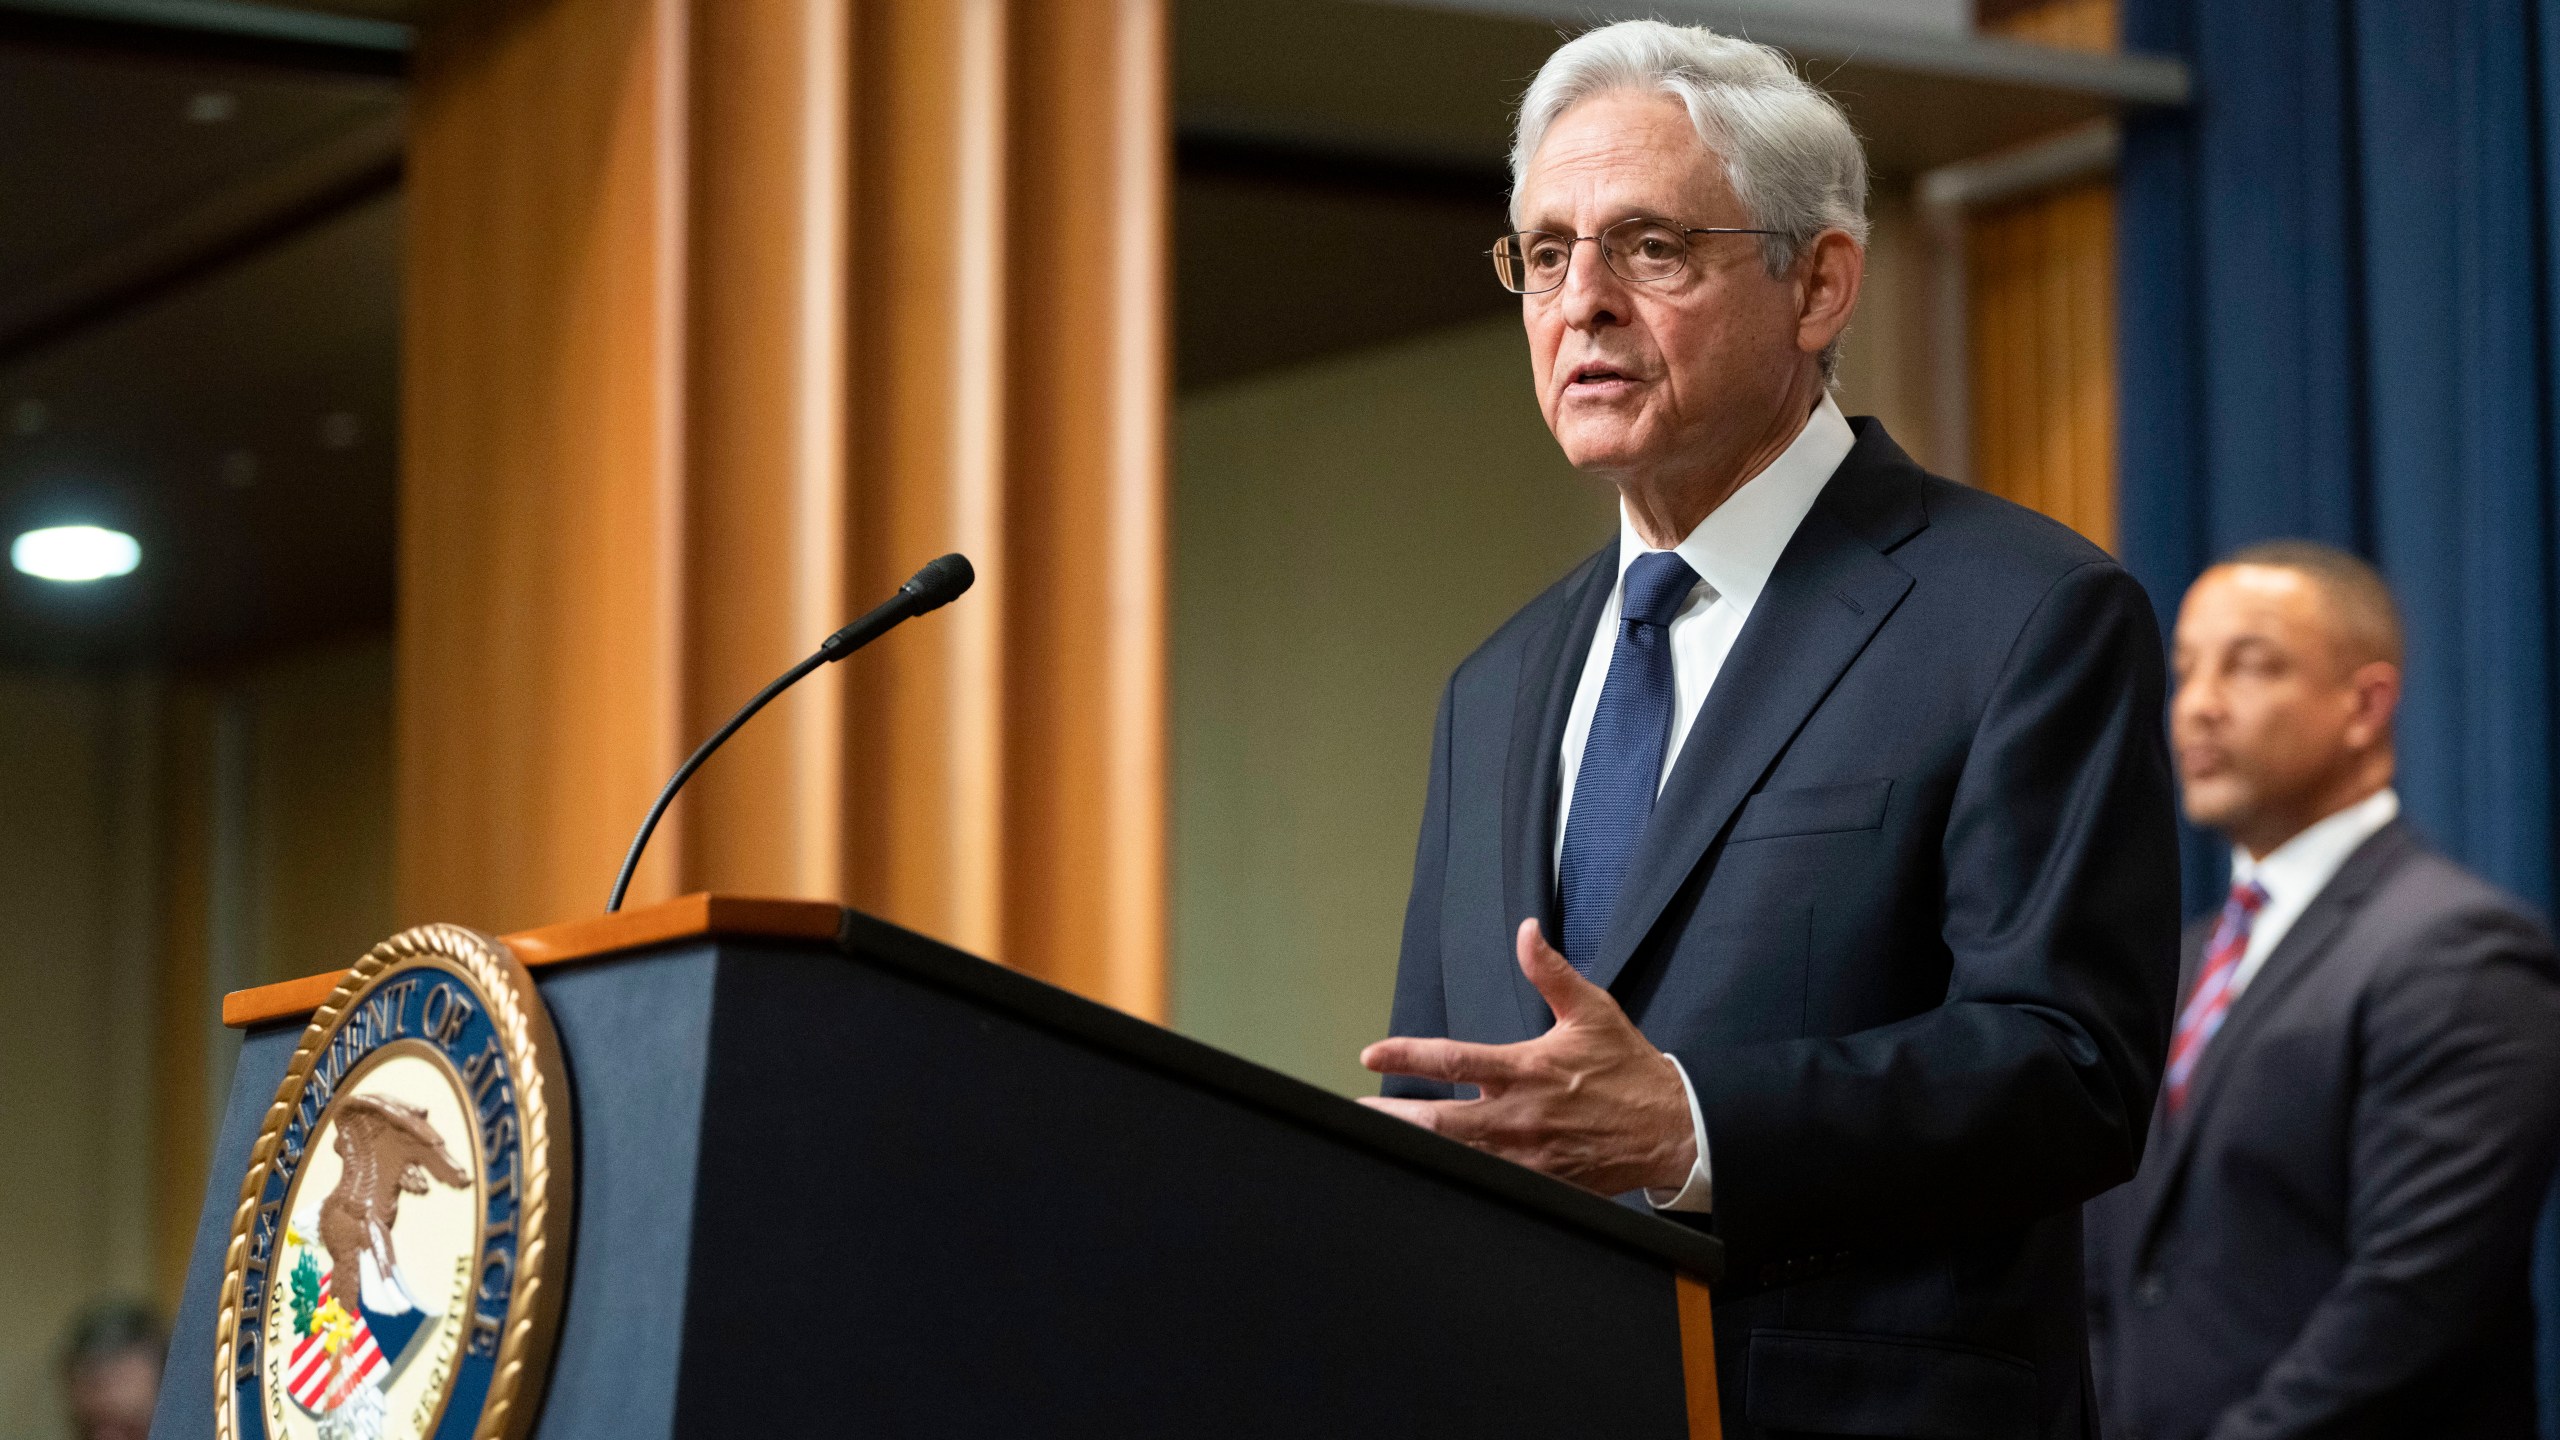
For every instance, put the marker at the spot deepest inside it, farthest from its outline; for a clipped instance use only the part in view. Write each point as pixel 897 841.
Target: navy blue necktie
pixel 1622 760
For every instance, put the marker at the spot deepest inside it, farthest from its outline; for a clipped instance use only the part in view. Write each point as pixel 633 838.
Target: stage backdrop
pixel 2337 322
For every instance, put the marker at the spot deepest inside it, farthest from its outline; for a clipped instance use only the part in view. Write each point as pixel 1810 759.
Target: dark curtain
pixel 2337 322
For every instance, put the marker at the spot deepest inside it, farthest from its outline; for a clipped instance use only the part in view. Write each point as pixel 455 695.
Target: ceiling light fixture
pixel 74 553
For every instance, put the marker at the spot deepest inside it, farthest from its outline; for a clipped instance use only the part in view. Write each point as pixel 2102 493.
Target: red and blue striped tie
pixel 2212 998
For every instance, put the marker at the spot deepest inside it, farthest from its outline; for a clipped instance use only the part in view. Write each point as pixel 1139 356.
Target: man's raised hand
pixel 1591 1101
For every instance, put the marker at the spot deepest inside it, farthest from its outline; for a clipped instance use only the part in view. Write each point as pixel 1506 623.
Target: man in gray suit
pixel 2359 1118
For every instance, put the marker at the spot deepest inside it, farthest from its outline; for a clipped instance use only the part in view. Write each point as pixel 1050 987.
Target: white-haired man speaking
pixel 1802 864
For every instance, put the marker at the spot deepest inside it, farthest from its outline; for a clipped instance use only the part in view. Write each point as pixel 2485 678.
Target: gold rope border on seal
pixel 533 1062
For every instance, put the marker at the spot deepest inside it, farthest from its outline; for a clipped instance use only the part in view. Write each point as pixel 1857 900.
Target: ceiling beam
pixel 307 190
pixel 211 32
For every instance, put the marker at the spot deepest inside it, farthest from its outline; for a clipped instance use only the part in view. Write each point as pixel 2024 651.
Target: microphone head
pixel 940 582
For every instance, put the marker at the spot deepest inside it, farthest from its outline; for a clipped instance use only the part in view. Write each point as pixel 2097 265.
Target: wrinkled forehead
pixel 1618 154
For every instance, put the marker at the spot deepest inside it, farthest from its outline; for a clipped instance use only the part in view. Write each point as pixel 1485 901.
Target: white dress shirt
pixel 1733 551
pixel 2294 873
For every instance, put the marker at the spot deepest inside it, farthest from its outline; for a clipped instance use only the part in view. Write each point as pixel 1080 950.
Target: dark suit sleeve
pixel 2454 1140
pixel 1421 1004
pixel 2029 1089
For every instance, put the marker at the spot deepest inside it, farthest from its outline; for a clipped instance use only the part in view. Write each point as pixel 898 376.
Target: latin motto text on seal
pixel 398 1257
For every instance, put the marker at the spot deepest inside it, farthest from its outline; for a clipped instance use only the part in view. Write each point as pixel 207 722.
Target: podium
pixel 834 1177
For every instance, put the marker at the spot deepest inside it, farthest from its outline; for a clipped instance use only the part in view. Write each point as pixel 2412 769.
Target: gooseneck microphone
pixel 936 585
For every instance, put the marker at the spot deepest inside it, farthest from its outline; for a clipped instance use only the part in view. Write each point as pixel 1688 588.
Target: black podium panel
pixel 882 1188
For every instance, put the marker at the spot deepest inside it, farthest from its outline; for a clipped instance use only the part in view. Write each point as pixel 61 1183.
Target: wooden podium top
pixel 683 918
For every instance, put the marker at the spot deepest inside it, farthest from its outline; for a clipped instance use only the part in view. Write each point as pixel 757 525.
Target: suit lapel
pixel 1550 668
pixel 1831 591
pixel 2295 956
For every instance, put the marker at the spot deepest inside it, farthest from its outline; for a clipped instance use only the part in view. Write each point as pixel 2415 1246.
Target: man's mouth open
pixel 1598 381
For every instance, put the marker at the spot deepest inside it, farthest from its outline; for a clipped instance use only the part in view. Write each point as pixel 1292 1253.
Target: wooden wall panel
pixel 928 380
pixel 540 699
pixel 2068 24
pixel 1086 456
pixel 1011 165
pixel 722 325
pixel 2040 275
pixel 763 434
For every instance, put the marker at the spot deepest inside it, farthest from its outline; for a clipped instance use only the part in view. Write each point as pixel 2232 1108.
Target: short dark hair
pixel 107 1331
pixel 2369 619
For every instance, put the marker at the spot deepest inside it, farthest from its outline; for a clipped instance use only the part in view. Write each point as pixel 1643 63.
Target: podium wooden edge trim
pixel 686 917
pixel 1698 1355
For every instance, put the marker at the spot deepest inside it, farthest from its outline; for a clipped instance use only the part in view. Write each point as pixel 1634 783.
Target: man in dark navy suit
pixel 2330 1230
pixel 1802 864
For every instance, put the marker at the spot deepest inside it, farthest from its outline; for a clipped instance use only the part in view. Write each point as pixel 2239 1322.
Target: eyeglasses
pixel 1641 249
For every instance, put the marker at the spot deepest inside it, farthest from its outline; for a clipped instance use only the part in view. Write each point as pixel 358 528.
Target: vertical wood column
pixel 1086 455
pixel 540 635
pixel 2041 301
pixel 2042 292
pixel 723 318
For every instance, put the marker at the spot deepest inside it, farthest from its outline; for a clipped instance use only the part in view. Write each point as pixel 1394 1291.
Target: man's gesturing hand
pixel 1590 1101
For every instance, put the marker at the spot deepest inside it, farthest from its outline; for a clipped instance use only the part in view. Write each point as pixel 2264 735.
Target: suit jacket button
pixel 2151 1289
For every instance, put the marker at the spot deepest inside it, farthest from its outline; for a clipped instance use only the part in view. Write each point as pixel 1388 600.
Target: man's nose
pixel 2194 700
pixel 1593 295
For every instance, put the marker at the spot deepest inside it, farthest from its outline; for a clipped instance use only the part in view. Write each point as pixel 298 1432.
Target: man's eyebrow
pixel 1553 226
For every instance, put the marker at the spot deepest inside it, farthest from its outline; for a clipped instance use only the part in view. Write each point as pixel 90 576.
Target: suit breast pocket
pixel 1812 810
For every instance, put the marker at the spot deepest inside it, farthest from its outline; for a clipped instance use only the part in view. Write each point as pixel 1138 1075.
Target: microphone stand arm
pixel 884 617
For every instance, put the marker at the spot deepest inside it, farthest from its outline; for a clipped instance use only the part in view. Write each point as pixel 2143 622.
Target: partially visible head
pixel 2288 662
pixel 111 1372
pixel 1682 124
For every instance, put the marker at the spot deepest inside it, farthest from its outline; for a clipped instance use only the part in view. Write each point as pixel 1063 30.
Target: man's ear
pixel 2376 684
pixel 1828 275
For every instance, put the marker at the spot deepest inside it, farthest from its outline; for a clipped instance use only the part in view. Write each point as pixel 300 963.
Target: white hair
pixel 1788 152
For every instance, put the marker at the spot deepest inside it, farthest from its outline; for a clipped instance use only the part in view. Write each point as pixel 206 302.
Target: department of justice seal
pixel 400 1250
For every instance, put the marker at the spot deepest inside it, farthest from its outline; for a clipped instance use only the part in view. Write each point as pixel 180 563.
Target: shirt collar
pixel 2300 867
pixel 1736 547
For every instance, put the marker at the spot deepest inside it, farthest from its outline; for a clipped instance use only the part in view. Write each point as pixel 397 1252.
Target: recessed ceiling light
pixel 74 553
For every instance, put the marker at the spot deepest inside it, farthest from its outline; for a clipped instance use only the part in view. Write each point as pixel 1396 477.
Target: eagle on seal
pixel 387 1149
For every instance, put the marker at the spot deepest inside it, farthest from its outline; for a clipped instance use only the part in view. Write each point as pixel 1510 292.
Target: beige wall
pixel 160 842
pixel 1344 533
pixel 321 787
pixel 74 1127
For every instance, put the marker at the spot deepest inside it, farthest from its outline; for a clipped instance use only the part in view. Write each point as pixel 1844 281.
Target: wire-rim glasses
pixel 1640 248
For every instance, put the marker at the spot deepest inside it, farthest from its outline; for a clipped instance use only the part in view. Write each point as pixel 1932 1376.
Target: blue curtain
pixel 2338 322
